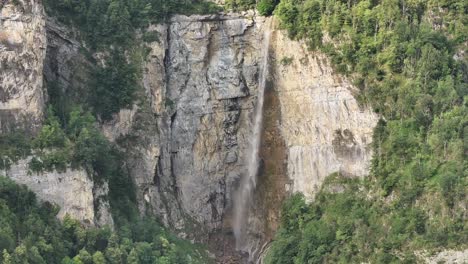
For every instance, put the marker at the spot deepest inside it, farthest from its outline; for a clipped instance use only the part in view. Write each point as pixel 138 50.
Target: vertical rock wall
pixel 186 138
pixel 325 129
pixel 313 127
pixel 192 134
pixel 200 77
pixel 22 52
pixel 72 190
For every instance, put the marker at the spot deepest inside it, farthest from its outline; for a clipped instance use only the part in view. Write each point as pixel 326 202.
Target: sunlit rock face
pixel 313 127
pixel 446 256
pixel 324 127
pixel 22 52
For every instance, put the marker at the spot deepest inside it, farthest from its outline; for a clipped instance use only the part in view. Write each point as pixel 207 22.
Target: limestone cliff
pixel 325 129
pixel 30 50
pixel 201 80
pixel 313 127
pixel 72 190
pixel 22 52
pixel 187 136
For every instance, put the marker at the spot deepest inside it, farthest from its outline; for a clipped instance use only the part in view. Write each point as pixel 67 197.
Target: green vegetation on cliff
pixel 264 7
pixel 403 56
pixel 74 141
pixel 70 137
pixel 111 28
pixel 30 233
pixel 105 22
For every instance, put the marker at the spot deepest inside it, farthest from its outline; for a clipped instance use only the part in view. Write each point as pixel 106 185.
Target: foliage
pixel 114 87
pixel 78 143
pixel 285 61
pixel 30 233
pixel 401 56
pixel 111 28
pixel 240 4
pixel 13 146
pixel 266 7
pixel 115 22
pixel 348 227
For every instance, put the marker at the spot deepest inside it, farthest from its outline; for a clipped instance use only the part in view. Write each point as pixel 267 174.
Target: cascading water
pixel 248 182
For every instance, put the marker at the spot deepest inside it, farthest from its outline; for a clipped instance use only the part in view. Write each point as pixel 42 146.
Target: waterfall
pixel 248 182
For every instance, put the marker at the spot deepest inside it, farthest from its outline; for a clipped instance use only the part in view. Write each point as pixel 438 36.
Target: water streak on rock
pixel 248 182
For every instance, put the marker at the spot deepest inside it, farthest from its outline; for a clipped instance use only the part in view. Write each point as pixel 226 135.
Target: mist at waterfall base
pixel 244 194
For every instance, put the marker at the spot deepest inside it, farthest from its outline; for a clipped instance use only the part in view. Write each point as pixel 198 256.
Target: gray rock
pixel 22 52
pixel 186 138
pixel 72 190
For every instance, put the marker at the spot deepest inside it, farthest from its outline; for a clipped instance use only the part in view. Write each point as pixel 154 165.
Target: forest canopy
pixel 31 233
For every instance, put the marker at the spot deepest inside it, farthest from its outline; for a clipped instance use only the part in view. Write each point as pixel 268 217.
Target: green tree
pixel 51 134
pixel 98 258
pixel 83 257
pixel 6 258
pixel 266 7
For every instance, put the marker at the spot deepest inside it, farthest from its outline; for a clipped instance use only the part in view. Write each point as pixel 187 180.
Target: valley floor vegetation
pixel 31 233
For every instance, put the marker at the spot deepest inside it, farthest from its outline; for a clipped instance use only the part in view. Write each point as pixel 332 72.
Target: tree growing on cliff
pixel 266 7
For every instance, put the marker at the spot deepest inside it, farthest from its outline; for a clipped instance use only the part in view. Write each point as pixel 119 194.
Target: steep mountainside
pixel 157 116
pixel 186 141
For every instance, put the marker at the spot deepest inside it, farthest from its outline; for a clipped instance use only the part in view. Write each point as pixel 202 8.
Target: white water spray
pixel 249 180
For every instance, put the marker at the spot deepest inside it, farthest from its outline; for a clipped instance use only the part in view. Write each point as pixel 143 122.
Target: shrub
pixel 286 61
pixel 266 7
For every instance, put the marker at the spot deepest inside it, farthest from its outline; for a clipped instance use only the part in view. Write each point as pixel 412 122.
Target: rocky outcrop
pixel 219 2
pixel 22 52
pixel 31 47
pixel 72 190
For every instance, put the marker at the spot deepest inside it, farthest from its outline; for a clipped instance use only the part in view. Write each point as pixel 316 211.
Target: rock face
pixel 66 69
pixel 22 52
pixel 313 127
pixel 72 190
pixel 325 129
pixel 186 139
pixel 446 256
pixel 30 50
pixel 201 79
pixel 450 256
